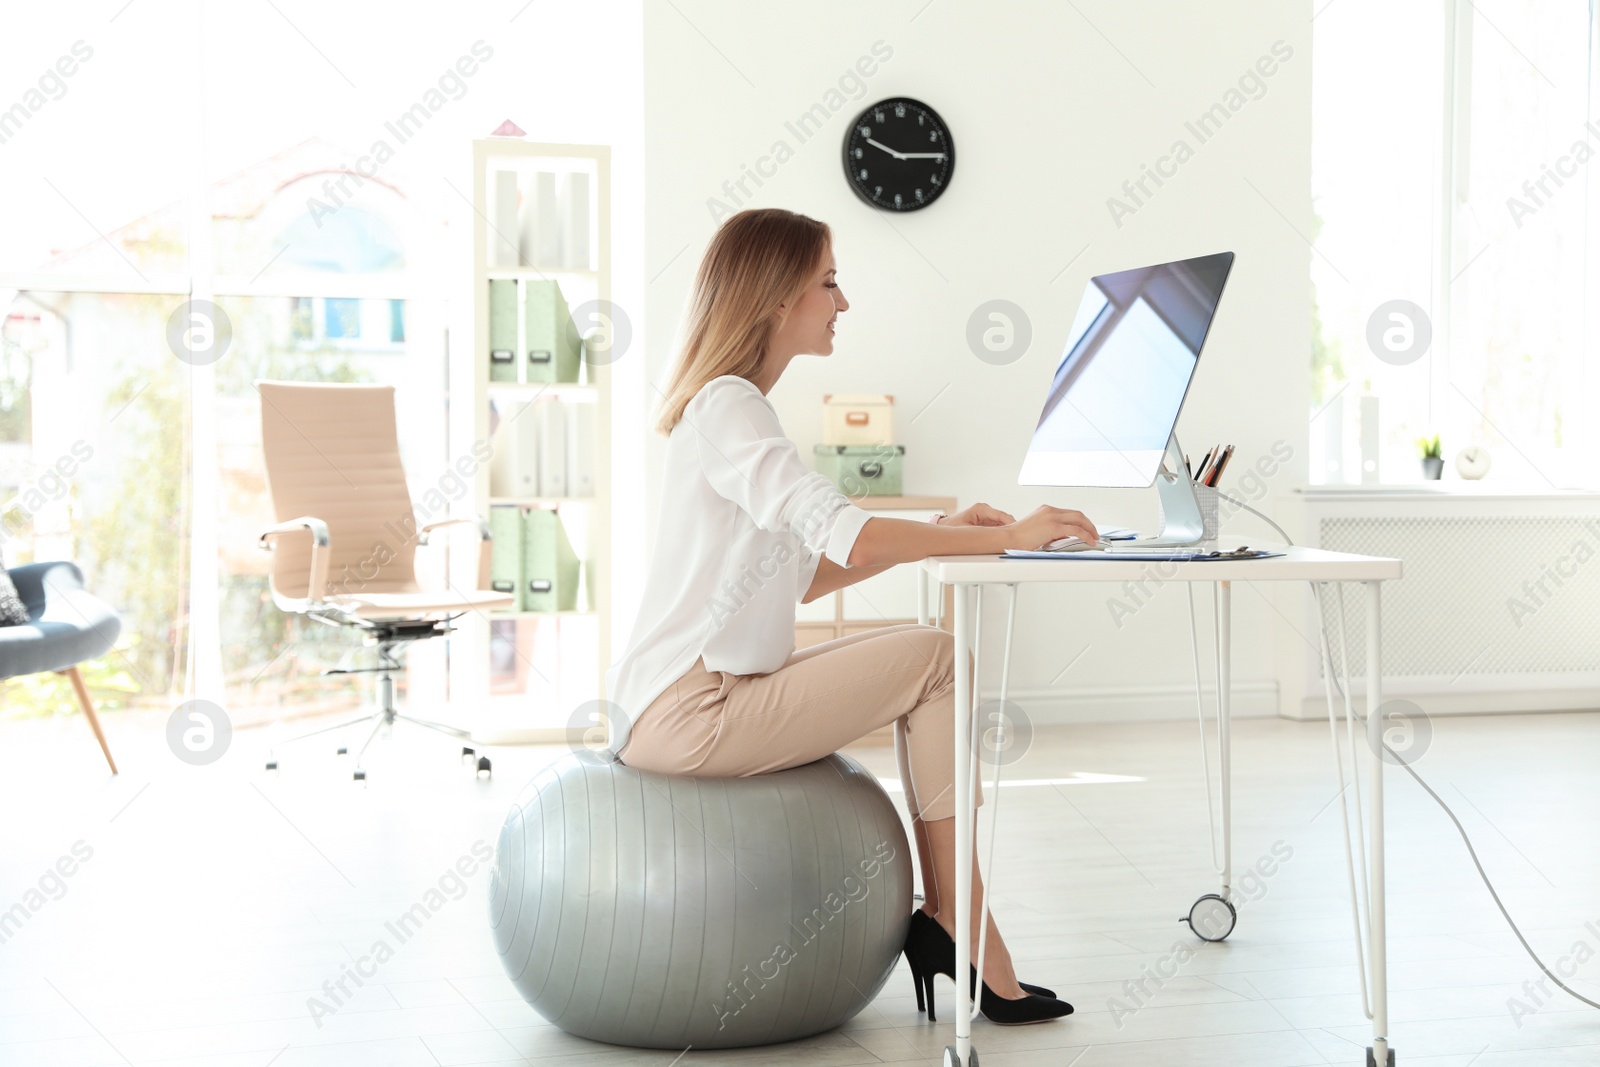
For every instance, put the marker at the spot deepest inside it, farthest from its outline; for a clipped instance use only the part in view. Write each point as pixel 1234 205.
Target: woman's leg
pixel 822 699
pixel 998 970
pixel 936 851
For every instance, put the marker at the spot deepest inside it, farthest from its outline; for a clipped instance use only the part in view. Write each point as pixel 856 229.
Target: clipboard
pixel 1183 555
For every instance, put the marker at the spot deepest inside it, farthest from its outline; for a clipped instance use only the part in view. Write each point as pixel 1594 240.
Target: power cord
pixel 1426 787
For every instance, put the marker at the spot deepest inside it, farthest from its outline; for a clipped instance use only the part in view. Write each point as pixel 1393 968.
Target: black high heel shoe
pixel 929 951
pixel 920 916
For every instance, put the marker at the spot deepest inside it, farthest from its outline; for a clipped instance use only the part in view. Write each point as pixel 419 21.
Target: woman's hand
pixel 1047 524
pixel 978 515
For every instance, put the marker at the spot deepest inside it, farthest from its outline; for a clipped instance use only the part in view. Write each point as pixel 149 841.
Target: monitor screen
pixel 1129 358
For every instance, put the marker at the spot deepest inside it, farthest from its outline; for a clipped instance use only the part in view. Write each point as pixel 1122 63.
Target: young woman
pixel 710 683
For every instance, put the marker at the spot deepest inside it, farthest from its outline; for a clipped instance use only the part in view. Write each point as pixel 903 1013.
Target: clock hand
pixel 922 155
pixel 886 148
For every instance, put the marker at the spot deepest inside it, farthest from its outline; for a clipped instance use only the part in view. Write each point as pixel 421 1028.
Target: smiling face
pixel 809 328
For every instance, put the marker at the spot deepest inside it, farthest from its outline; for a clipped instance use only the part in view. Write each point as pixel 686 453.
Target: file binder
pixel 505 549
pixel 546 214
pixel 551 338
pixel 514 467
pixel 574 197
pixel 550 414
pixel 550 567
pixel 502 330
pixel 580 450
pixel 503 235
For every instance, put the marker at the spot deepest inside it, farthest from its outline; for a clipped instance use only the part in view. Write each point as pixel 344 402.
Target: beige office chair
pixel 344 547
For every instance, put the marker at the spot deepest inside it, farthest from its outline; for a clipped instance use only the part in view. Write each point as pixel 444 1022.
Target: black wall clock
pixel 899 155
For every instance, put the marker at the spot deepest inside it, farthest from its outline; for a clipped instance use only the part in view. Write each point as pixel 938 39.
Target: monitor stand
pixel 1182 523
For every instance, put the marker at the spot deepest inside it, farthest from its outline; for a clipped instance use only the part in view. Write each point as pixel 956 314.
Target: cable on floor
pixel 1466 840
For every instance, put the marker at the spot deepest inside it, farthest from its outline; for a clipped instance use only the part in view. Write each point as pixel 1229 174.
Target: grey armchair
pixel 67 625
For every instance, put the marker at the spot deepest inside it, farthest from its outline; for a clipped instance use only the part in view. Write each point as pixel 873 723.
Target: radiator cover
pixel 1485 599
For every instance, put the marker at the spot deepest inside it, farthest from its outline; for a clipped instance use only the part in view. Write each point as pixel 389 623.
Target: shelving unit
pixel 524 674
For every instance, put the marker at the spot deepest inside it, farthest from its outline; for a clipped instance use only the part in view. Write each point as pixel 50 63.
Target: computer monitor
pixel 1114 400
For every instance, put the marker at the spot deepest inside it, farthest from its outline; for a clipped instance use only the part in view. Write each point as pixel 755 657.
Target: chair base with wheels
pixel 387 636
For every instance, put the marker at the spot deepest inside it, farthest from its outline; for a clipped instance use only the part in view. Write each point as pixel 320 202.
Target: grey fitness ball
pixel 663 911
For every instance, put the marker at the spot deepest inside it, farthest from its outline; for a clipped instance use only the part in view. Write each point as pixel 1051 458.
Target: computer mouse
pixel 1074 544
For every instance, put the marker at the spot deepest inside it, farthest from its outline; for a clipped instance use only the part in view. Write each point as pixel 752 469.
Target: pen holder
pixel 1209 502
pixel 1210 510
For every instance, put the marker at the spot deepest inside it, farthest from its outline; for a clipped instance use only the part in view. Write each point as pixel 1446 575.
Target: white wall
pixel 1051 111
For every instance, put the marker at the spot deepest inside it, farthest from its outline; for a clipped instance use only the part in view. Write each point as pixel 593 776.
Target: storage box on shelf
pixel 541 254
pixel 858 453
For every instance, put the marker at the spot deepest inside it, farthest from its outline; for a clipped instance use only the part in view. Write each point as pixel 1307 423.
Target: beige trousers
pixel 716 724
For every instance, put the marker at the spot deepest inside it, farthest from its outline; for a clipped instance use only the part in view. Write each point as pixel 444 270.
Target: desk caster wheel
pixel 1211 918
pixel 1372 1061
pixel 483 766
pixel 343 751
pixel 360 775
pixel 272 764
pixel 953 1060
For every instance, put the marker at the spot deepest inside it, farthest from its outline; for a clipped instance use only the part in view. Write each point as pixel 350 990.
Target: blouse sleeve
pixel 748 459
pixel 808 571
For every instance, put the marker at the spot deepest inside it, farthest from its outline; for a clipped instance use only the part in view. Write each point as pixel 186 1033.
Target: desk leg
pixel 1380 1053
pixel 1225 728
pixel 1213 916
pixel 922 595
pixel 964 832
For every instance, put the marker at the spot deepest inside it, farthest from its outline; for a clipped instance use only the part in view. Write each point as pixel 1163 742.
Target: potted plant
pixel 1432 461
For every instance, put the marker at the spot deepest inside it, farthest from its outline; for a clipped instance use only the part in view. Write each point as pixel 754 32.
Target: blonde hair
pixel 757 260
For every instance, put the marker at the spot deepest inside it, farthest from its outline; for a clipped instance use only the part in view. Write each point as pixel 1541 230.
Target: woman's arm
pixel 831 577
pixel 885 541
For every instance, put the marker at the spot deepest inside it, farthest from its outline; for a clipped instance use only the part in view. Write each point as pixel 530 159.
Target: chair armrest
pixel 30 580
pixel 320 542
pixel 479 521
pixel 484 547
pixel 70 624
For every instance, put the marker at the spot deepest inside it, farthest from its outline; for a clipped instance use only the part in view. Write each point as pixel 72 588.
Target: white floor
pixel 216 900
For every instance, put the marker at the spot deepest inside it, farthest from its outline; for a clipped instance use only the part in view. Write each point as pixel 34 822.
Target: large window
pixel 1455 271
pixel 98 440
pixel 120 455
pixel 308 170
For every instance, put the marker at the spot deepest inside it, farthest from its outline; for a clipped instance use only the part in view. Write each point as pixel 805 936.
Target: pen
pixel 1200 471
pixel 1216 470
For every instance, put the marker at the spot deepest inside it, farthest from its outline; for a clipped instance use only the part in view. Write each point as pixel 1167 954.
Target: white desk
pixel 972 573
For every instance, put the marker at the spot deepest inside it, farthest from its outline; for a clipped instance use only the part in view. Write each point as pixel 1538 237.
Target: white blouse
pixel 743 523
